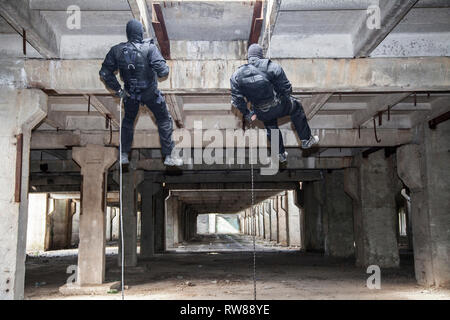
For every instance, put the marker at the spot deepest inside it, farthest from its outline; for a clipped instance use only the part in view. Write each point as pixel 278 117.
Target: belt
pixel 268 105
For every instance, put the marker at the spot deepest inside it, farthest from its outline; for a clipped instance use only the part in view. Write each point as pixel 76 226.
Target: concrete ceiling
pixel 302 29
pixel 208 20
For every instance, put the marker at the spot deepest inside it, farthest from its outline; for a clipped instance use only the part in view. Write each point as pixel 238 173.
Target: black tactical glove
pixel 249 116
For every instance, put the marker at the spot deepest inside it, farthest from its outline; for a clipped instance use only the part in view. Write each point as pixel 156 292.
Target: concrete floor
pixel 225 272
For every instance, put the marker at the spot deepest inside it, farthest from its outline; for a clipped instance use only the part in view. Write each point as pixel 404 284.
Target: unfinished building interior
pixel 376 190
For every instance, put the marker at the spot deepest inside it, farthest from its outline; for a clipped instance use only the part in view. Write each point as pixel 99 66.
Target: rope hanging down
pixel 120 200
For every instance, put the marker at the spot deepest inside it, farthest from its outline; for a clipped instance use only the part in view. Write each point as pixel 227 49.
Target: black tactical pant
pixel 298 118
pixel 157 105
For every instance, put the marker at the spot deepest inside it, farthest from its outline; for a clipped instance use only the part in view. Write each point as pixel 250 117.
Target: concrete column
pixel 313 203
pixel 283 231
pixel 75 237
pixel 294 214
pixel 212 223
pixel 61 220
pixel 261 220
pixel 20 111
pixel 372 186
pixel 257 228
pixel 37 215
pixel 338 217
pixel 130 181
pixel 94 161
pixel 148 189
pixel 171 221
pixel 274 219
pixel 425 169
pixel 248 218
pixel 241 222
pixel 181 222
pixel 160 225
pixel 266 214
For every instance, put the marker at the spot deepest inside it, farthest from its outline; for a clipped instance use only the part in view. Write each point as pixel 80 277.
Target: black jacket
pixel 273 72
pixel 114 61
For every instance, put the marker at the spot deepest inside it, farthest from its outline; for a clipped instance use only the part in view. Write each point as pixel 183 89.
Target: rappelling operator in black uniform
pixel 140 63
pixel 264 84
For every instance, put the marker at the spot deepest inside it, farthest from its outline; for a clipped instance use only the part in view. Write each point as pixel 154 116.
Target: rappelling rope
pixel 120 200
pixel 254 225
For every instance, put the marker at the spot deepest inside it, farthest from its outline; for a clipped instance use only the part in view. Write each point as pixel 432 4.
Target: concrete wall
pixel 227 223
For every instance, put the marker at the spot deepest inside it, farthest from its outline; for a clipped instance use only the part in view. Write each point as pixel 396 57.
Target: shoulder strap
pixel 258 71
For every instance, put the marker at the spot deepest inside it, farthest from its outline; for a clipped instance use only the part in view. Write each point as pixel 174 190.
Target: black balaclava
pixel 255 51
pixel 135 31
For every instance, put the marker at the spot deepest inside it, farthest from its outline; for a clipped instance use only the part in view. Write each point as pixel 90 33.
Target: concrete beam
pixel 306 75
pixel 272 9
pixel 39 33
pixel 280 186
pixel 257 22
pixel 324 5
pixel 377 104
pixel 366 40
pixel 85 5
pixel 241 176
pixel 175 106
pixel 150 139
pixel 159 26
pixel 315 103
pixel 106 108
pixel 141 13
pixel 293 163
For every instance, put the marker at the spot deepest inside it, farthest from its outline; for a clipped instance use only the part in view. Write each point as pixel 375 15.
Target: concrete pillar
pixel 283 231
pixel 274 219
pixel 130 181
pixel 20 111
pixel 75 239
pixel 60 224
pixel 148 189
pixel 257 228
pixel 261 220
pixel 212 223
pixel 314 197
pixel 372 186
pixel 338 217
pixel 294 215
pixel 191 224
pixel 266 214
pixel 425 169
pixel 160 225
pixel 37 215
pixel 181 222
pixel 248 214
pixel 171 221
pixel 241 222
pixel 94 161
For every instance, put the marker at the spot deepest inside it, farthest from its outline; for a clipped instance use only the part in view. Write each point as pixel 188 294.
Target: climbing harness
pixel 120 200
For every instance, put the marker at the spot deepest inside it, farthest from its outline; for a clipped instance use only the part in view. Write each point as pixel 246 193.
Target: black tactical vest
pixel 254 83
pixel 134 67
